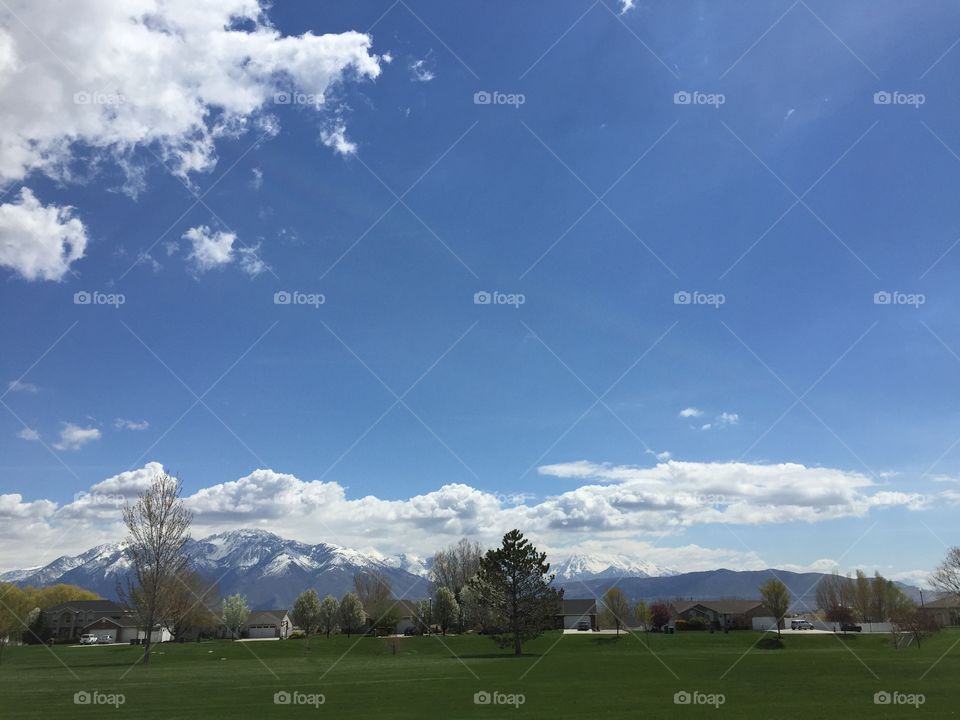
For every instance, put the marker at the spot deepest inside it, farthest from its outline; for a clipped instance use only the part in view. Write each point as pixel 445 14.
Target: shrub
pixel 297 635
pixel 681 625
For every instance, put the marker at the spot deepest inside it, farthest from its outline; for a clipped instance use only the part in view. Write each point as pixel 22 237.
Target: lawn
pixel 571 676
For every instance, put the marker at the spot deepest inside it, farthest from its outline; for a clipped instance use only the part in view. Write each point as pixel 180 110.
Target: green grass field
pixel 572 676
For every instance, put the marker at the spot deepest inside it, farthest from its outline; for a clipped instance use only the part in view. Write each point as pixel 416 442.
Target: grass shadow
pixel 770 643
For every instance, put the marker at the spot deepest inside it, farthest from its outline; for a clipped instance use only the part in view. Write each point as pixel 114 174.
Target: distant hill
pixel 710 584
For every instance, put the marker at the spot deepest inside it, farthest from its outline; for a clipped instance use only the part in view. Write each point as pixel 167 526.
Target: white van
pixel 88 639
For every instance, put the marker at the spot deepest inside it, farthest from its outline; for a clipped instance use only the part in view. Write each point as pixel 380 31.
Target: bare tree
pixel 192 605
pixel 834 597
pixel 376 596
pixel 616 609
pixel 454 567
pixel 946 578
pixel 776 599
pixel 158 528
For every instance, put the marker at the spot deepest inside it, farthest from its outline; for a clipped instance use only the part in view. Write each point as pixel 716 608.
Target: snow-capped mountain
pixel 593 567
pixel 270 570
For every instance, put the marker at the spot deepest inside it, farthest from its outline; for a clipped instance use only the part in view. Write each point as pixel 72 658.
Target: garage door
pixel 262 631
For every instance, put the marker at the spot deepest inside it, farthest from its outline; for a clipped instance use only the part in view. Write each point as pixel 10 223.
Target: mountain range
pixel 271 571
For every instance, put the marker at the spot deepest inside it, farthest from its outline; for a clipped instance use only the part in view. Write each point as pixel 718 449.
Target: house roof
pixel 266 617
pixel 574 606
pixel 125 621
pixel 87 606
pixel 723 607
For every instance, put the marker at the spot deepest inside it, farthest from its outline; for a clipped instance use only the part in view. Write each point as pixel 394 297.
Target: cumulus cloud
pixel 19 386
pixel 615 507
pixel 74 437
pixel 336 137
pixel 627 5
pixel 39 242
pixel 210 250
pixel 691 412
pixel 176 74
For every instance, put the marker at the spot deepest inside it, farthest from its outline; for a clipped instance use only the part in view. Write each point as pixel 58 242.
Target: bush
pixel 297 635
pixel 681 625
pixel 696 623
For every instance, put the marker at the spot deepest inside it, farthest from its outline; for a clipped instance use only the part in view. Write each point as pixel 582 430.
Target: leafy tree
pixel 616 609
pixel 454 567
pixel 776 599
pixel 424 619
pixel 306 613
pixel 476 612
pixel 351 615
pixel 659 614
pixel 641 611
pixel 513 581
pixel 235 613
pixel 158 528
pixel 329 610
pixel 446 609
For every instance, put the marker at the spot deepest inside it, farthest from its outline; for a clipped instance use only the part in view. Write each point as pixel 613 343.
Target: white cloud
pixel 691 412
pixel 74 437
pixel 256 182
pixel 336 138
pixel 28 434
pixel 612 510
pixel 175 74
pixel 122 424
pixel 38 241
pixel 19 386
pixel 626 6
pixel 215 249
pixel 726 418
pixel 420 72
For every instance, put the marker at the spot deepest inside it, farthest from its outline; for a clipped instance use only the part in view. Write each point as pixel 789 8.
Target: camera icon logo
pixel 682 298
pixel 482 298
pixel 682 698
pixel 882 298
pixel 282 98
pixel 282 297
pixel 482 98
pixel 82 298
pixel 682 97
pixel 282 698
pixel 482 698
pixel 81 98
pixel 882 698
pixel 82 698
pixel 882 97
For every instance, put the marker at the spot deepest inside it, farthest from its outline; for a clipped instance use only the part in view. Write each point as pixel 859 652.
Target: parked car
pixel 88 639
pixel 850 627
pixel 105 639
pixel 583 625
pixel 801 625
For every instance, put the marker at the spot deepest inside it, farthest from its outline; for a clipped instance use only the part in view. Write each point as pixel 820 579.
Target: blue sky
pixel 787 188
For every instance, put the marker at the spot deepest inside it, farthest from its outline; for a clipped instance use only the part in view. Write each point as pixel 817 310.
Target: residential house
pixel 267 624
pixel 70 619
pixel 720 614
pixel 573 612
pixel 946 610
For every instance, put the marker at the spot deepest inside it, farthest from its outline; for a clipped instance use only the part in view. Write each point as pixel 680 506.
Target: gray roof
pixel 266 617
pixel 723 607
pixel 587 606
pixel 950 601
pixel 87 606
